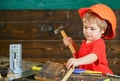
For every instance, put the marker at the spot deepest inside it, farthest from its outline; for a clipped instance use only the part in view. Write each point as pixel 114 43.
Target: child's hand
pixel 67 41
pixel 72 62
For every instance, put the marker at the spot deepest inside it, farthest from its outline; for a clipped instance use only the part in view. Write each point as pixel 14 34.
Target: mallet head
pixel 60 28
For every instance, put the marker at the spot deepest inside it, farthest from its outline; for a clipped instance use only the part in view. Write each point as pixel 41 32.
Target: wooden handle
pixel 63 34
pixel 72 49
pixel 67 75
pixel 70 45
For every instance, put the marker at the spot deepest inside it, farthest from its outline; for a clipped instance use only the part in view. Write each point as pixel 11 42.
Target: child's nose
pixel 88 31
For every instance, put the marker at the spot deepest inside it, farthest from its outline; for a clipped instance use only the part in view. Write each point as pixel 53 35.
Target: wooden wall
pixel 34 29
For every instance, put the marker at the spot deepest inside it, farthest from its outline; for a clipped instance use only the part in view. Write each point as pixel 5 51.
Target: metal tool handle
pixel 70 45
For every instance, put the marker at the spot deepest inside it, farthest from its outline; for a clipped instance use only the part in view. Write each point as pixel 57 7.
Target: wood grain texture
pixel 34 29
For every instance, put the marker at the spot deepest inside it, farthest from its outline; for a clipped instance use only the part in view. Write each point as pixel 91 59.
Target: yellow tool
pixel 108 79
pixel 92 72
pixel 36 68
pixel 0 76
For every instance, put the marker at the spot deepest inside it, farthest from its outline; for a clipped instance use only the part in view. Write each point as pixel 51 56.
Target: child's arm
pixel 88 59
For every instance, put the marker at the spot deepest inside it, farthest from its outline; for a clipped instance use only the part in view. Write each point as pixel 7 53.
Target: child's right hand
pixel 67 41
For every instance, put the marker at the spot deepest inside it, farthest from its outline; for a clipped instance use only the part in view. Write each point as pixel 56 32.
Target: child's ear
pixel 102 32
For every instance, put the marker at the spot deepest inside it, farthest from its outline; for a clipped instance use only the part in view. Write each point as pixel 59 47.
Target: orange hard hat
pixel 105 13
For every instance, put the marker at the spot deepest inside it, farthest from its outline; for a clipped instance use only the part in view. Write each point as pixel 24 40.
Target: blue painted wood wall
pixel 54 4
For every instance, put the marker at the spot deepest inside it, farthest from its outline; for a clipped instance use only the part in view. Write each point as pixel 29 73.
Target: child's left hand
pixel 72 62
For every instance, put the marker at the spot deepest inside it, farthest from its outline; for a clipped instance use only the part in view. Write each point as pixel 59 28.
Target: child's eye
pixel 85 27
pixel 92 29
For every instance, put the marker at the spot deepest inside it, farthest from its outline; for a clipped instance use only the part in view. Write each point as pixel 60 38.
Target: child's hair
pixel 92 17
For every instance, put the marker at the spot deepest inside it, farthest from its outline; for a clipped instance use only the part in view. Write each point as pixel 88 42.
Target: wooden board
pixel 53 71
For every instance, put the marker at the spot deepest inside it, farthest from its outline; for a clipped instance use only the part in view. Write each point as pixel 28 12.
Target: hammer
pixel 64 35
pixel 71 47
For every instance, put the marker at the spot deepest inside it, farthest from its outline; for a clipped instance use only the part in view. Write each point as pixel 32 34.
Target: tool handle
pixel 70 71
pixel 35 68
pixel 72 48
pixel 63 34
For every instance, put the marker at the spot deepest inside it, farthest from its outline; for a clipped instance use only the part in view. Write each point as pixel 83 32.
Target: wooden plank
pixel 54 47
pixel 39 16
pixel 115 68
pixel 36 31
pixel 31 31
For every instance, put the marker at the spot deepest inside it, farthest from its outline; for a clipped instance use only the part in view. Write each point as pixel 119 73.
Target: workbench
pixel 48 72
pixel 53 71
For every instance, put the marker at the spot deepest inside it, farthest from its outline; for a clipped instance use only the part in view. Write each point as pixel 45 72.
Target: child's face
pixel 91 31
